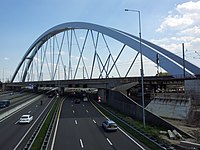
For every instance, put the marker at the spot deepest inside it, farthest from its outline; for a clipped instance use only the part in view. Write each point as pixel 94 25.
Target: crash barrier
pixel 38 129
pixel 50 130
pixel 138 131
pixel 127 106
pixel 18 108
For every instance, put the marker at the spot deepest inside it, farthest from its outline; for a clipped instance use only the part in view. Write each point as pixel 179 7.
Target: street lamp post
pixel 141 59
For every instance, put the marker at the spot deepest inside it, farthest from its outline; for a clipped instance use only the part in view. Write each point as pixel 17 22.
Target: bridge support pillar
pixel 35 88
pixel 103 95
pixel 3 87
pixel 62 90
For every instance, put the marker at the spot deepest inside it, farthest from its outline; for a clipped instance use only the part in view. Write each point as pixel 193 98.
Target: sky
pixel 165 23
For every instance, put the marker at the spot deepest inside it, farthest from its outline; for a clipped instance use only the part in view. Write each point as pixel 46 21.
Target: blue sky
pixel 166 23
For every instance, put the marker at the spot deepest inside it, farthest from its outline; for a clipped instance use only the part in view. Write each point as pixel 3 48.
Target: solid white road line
pixel 29 112
pixel 131 138
pixel 15 110
pixel 31 126
pixel 121 129
pixel 94 121
pixel 56 128
pixel 72 105
pixel 81 142
pixel 87 111
pixel 73 111
pixel 75 121
pixel 109 141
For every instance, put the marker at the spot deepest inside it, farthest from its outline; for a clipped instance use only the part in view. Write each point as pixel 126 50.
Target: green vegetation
pixel 149 129
pixel 42 133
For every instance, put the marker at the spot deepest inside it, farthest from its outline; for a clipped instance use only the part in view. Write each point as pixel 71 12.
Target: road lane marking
pixel 131 138
pixel 73 111
pixel 99 111
pixel 120 129
pixel 75 121
pixel 81 142
pixel 17 122
pixel 109 141
pixel 56 128
pixel 83 105
pixel 87 111
pixel 29 112
pixel 72 105
pixel 94 121
pixel 17 109
pixel 31 126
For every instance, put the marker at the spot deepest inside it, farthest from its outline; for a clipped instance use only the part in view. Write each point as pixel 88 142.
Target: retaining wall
pixel 127 106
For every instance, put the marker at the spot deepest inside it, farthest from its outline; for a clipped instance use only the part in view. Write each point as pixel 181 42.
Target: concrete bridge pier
pixel 103 95
pixel 61 90
pixel 35 88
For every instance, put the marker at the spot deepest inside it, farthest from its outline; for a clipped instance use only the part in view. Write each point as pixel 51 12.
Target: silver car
pixel 109 125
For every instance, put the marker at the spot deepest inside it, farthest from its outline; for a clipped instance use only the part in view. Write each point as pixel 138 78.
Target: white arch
pixel 172 62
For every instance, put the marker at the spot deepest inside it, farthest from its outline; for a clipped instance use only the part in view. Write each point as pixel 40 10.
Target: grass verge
pixel 152 131
pixel 42 133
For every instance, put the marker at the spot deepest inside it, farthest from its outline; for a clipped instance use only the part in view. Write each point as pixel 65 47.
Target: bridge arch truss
pixel 80 50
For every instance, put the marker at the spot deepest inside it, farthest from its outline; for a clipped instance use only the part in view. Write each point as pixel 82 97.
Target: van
pixel 4 103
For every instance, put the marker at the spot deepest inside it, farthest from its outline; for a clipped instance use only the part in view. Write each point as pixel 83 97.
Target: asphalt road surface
pixel 79 128
pixel 11 132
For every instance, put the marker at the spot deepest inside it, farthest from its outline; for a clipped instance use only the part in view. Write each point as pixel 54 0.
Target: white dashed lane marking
pixel 76 122
pixel 109 141
pixel 81 142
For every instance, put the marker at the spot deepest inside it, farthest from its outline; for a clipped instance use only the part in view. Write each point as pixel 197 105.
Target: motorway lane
pixel 80 128
pixel 21 98
pixel 11 132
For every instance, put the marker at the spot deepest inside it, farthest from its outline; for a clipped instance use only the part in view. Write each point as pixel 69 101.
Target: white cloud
pixel 6 58
pixel 175 22
pixel 185 15
pixel 189 7
pixel 181 25
pixel 194 30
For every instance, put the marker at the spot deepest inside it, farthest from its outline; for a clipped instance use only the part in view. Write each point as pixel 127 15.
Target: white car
pixel 85 99
pixel 109 125
pixel 25 119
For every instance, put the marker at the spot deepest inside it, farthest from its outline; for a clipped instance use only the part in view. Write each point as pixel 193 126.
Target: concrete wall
pixel 127 106
pixel 170 108
pixel 192 88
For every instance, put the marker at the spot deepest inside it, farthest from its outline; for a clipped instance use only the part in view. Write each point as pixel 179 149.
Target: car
pixel 25 119
pixel 50 96
pixel 4 103
pixel 85 99
pixel 109 125
pixel 77 101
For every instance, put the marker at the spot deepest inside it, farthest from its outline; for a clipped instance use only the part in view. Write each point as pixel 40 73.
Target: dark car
pixel 109 125
pixel 77 101
pixel 4 103
pixel 50 96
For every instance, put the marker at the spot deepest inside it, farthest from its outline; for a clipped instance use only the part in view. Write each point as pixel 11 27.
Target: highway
pixel 79 127
pixel 15 135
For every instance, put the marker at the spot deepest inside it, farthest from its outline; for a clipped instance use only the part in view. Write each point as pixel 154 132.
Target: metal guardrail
pixel 35 133
pixel 49 131
pixel 142 133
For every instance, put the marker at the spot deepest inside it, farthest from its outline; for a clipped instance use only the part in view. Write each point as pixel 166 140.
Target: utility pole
pixel 141 61
pixel 183 60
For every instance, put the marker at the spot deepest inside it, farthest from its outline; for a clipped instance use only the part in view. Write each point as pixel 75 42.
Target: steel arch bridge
pixel 80 50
